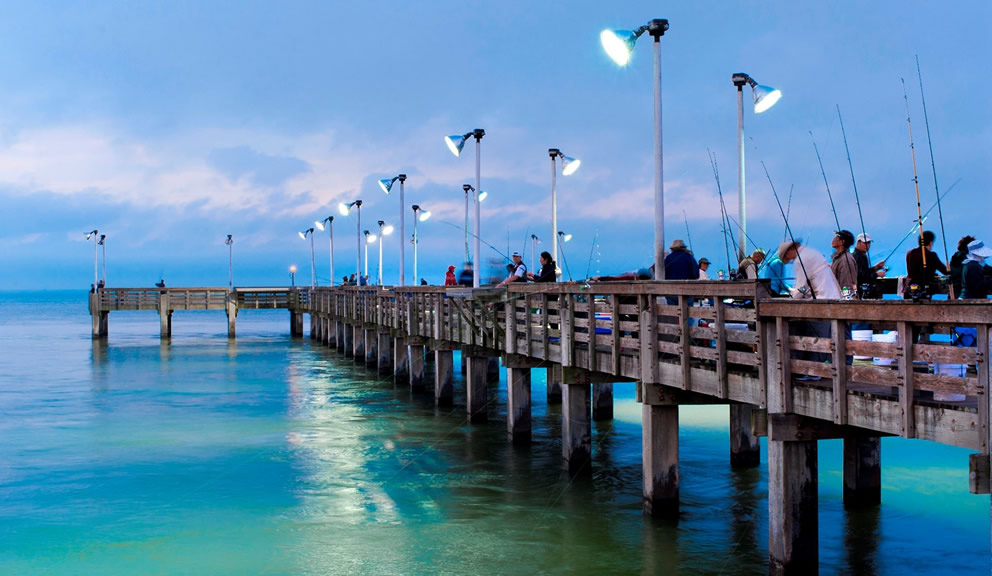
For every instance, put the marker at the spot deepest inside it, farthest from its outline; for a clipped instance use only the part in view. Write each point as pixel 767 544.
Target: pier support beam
pixel 477 388
pixel 444 366
pixel 165 323
pixel 371 347
pixel 295 323
pixel 340 339
pixel 492 370
pixel 745 448
pixel 554 384
pixel 332 332
pixel 232 319
pixel 358 339
pixel 313 326
pixel 660 457
pixel 862 471
pixel 348 340
pixel 793 530
pixel 384 351
pixel 518 420
pixel 99 319
pixel 576 427
pixel 401 360
pixel 416 352
pixel 602 402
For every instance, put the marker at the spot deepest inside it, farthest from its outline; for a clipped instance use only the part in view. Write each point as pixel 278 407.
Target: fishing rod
pixel 753 243
pixel 564 260
pixel 788 210
pixel 925 216
pixel 473 235
pixel 916 180
pixel 824 173
pixel 592 251
pixel 940 214
pixel 857 198
pixel 724 223
pixel 688 237
pixel 787 227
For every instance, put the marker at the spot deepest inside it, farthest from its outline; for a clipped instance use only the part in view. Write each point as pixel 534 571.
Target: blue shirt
pixel 774 270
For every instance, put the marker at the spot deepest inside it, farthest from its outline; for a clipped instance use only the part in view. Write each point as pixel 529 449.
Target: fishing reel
pixel 916 292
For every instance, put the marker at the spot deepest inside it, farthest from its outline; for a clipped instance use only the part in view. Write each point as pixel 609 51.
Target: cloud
pixel 261 170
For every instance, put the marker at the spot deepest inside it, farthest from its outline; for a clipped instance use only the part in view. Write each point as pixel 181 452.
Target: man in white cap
pixel 519 273
pixel 973 275
pixel 867 273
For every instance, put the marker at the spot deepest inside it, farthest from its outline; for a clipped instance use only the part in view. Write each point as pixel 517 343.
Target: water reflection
pixel 861 527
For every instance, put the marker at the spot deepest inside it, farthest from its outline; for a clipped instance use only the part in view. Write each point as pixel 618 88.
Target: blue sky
pixel 169 125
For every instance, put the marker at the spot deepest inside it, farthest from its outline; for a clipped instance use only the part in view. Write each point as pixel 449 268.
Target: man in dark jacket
pixel 680 264
pixel 918 273
pixel 973 276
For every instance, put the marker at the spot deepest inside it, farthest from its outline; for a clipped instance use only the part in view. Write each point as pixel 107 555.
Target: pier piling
pixel 443 377
pixel 416 352
pixel 576 427
pixel 477 388
pixel 862 471
pixel 384 352
pixel 745 447
pixel 602 402
pixel 660 457
pixel 518 394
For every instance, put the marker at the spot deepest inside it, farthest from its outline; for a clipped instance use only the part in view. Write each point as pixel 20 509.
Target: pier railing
pixel 895 367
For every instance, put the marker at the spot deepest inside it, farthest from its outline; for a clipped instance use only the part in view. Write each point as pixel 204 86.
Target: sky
pixel 169 125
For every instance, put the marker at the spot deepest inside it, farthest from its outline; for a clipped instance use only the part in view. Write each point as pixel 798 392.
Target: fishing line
pixel 824 173
pixel 916 180
pixel 940 214
pixel 857 198
pixel 925 216
pixel 724 223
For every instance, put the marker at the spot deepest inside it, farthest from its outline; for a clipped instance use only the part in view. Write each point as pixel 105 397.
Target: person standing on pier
pixel 955 267
pixel 774 270
pixel 973 274
pixel 748 267
pixel 919 274
pixel 519 273
pixel 868 274
pixel 466 276
pixel 843 265
pixel 813 276
pixel 449 277
pixel 704 264
pixel 547 272
pixel 680 264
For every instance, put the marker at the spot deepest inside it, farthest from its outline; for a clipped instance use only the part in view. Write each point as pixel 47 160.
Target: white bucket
pixel 891 337
pixel 861 336
pixel 958 370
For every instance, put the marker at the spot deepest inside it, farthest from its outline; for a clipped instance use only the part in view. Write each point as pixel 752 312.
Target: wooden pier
pixel 789 370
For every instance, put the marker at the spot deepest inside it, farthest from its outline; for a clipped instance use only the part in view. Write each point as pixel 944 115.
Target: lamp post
pixel 230 261
pixel 386 184
pixel 421 215
pixel 292 275
pixel 103 244
pixel 619 44
pixel 344 209
pixel 384 230
pixel 96 276
pixel 330 246
pixel 534 241
pixel 313 269
pixel 568 167
pixel 764 98
pixel 369 239
pixel 455 144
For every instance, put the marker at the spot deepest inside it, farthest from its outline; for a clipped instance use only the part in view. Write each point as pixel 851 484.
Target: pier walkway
pixel 789 370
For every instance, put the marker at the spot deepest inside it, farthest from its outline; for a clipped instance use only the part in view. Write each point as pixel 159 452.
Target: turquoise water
pixel 271 456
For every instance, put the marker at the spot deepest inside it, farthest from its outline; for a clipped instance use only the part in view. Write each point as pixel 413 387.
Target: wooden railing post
pixel 648 320
pixel 905 356
pixel 838 333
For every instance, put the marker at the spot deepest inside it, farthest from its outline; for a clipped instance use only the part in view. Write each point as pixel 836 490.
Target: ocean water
pixel 273 455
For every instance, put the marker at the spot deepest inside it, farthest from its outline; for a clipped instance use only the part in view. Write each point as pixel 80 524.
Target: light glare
pixel 765 97
pixel 618 45
pixel 569 165
pixel 424 215
pixel 455 143
pixel 483 195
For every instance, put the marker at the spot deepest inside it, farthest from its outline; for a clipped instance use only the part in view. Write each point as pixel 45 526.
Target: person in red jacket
pixel 449 278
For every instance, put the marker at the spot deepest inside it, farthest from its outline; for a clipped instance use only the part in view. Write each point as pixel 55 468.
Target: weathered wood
pixel 417 374
pixel 839 359
pixel 984 345
pixel 401 360
pixel 554 376
pixel 477 389
pixel 602 402
pixel 443 377
pixel 904 355
pixel 649 339
pixel 721 347
pixel 979 473
pixel 660 459
pixel 745 447
pixel 384 352
pixel 576 427
pixel 793 513
pixel 518 409
pixel 685 342
pixel 862 470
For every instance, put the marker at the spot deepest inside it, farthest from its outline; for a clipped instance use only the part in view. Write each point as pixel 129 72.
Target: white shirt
pixel 703 275
pixel 820 275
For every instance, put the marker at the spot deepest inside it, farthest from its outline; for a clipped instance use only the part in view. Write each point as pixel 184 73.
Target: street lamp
pixel 313 270
pixel 455 144
pixel 386 184
pixel 421 215
pixel 533 251
pixel 230 261
pixel 384 230
pixel 369 239
pixel 292 275
pixel 619 44
pixel 103 243
pixel 344 209
pixel 330 247
pixel 93 235
pixel 568 167
pixel 764 98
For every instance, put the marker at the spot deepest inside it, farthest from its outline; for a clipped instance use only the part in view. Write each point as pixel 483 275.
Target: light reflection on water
pixel 267 455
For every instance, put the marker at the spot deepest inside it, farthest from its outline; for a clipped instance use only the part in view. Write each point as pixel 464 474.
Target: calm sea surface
pixel 270 455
